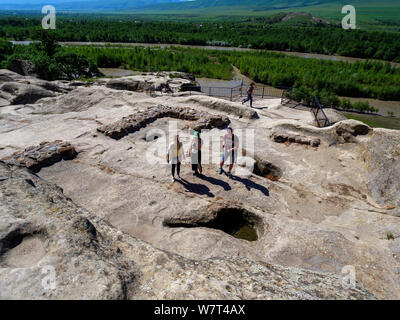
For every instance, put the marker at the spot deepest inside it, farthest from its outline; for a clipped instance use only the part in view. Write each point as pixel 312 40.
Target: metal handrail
pixel 315 107
pixel 323 112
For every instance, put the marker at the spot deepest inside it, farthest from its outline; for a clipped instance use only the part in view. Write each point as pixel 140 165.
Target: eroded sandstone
pixel 135 122
pixel 321 208
pixel 45 154
pixel 90 259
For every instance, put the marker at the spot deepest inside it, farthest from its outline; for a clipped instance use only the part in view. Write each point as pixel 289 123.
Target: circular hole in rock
pixel 149 137
pixel 21 250
pixel 267 170
pixel 237 222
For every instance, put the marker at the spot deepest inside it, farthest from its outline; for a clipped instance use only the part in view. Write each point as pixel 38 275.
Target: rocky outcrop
pixel 49 247
pixel 342 132
pixel 23 67
pixel 290 216
pixel 25 93
pixel 8 75
pixel 346 131
pixel 53 249
pixel 221 105
pixel 19 89
pixel 165 82
pixel 382 156
pixel 46 154
pixel 137 121
pixel 282 137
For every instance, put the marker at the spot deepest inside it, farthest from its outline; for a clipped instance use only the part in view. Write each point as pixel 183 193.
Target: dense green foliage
pixel 328 100
pixel 50 60
pixel 5 50
pixel 368 79
pixel 198 62
pixel 260 33
pixel 309 77
pixel 360 79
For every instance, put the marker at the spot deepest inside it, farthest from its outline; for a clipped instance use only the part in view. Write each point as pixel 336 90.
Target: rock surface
pixel 121 229
pixel 19 89
pixel 161 81
pixel 135 122
pixel 25 93
pixel 82 257
pixel 47 153
pixel 282 137
pixel 23 67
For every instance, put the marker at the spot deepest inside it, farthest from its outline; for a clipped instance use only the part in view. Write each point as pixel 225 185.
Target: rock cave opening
pixel 237 222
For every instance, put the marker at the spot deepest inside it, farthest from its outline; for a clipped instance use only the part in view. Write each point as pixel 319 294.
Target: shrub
pixel 6 48
pixel 346 104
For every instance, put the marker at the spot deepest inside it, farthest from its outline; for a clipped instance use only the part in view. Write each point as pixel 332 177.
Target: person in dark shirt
pixel 250 91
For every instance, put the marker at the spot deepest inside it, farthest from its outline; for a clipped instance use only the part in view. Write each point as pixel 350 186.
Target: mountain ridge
pixel 83 5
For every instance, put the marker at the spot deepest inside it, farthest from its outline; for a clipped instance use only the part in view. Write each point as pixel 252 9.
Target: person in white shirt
pixel 230 145
pixel 175 156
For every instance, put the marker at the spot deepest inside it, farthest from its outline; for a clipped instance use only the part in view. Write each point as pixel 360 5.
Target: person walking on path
pixel 175 155
pixel 230 146
pixel 250 91
pixel 195 154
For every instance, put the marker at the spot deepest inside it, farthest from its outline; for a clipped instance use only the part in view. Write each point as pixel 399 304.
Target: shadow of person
pixel 251 185
pixel 216 182
pixel 198 188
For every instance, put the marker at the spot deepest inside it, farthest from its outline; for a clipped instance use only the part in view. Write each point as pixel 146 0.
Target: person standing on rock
pixel 230 146
pixel 250 91
pixel 195 154
pixel 175 155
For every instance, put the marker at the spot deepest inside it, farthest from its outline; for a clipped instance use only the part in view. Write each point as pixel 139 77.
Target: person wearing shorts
pixel 230 146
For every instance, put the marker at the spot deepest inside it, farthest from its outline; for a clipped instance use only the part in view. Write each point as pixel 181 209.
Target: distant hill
pixel 82 5
pixel 160 5
pixel 259 5
pixel 374 12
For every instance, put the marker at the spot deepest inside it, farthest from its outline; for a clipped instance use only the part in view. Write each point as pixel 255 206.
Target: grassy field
pixel 370 13
pixel 375 121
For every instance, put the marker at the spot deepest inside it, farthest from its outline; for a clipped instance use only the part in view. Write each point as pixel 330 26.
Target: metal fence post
pixel 263 92
pixel 231 93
